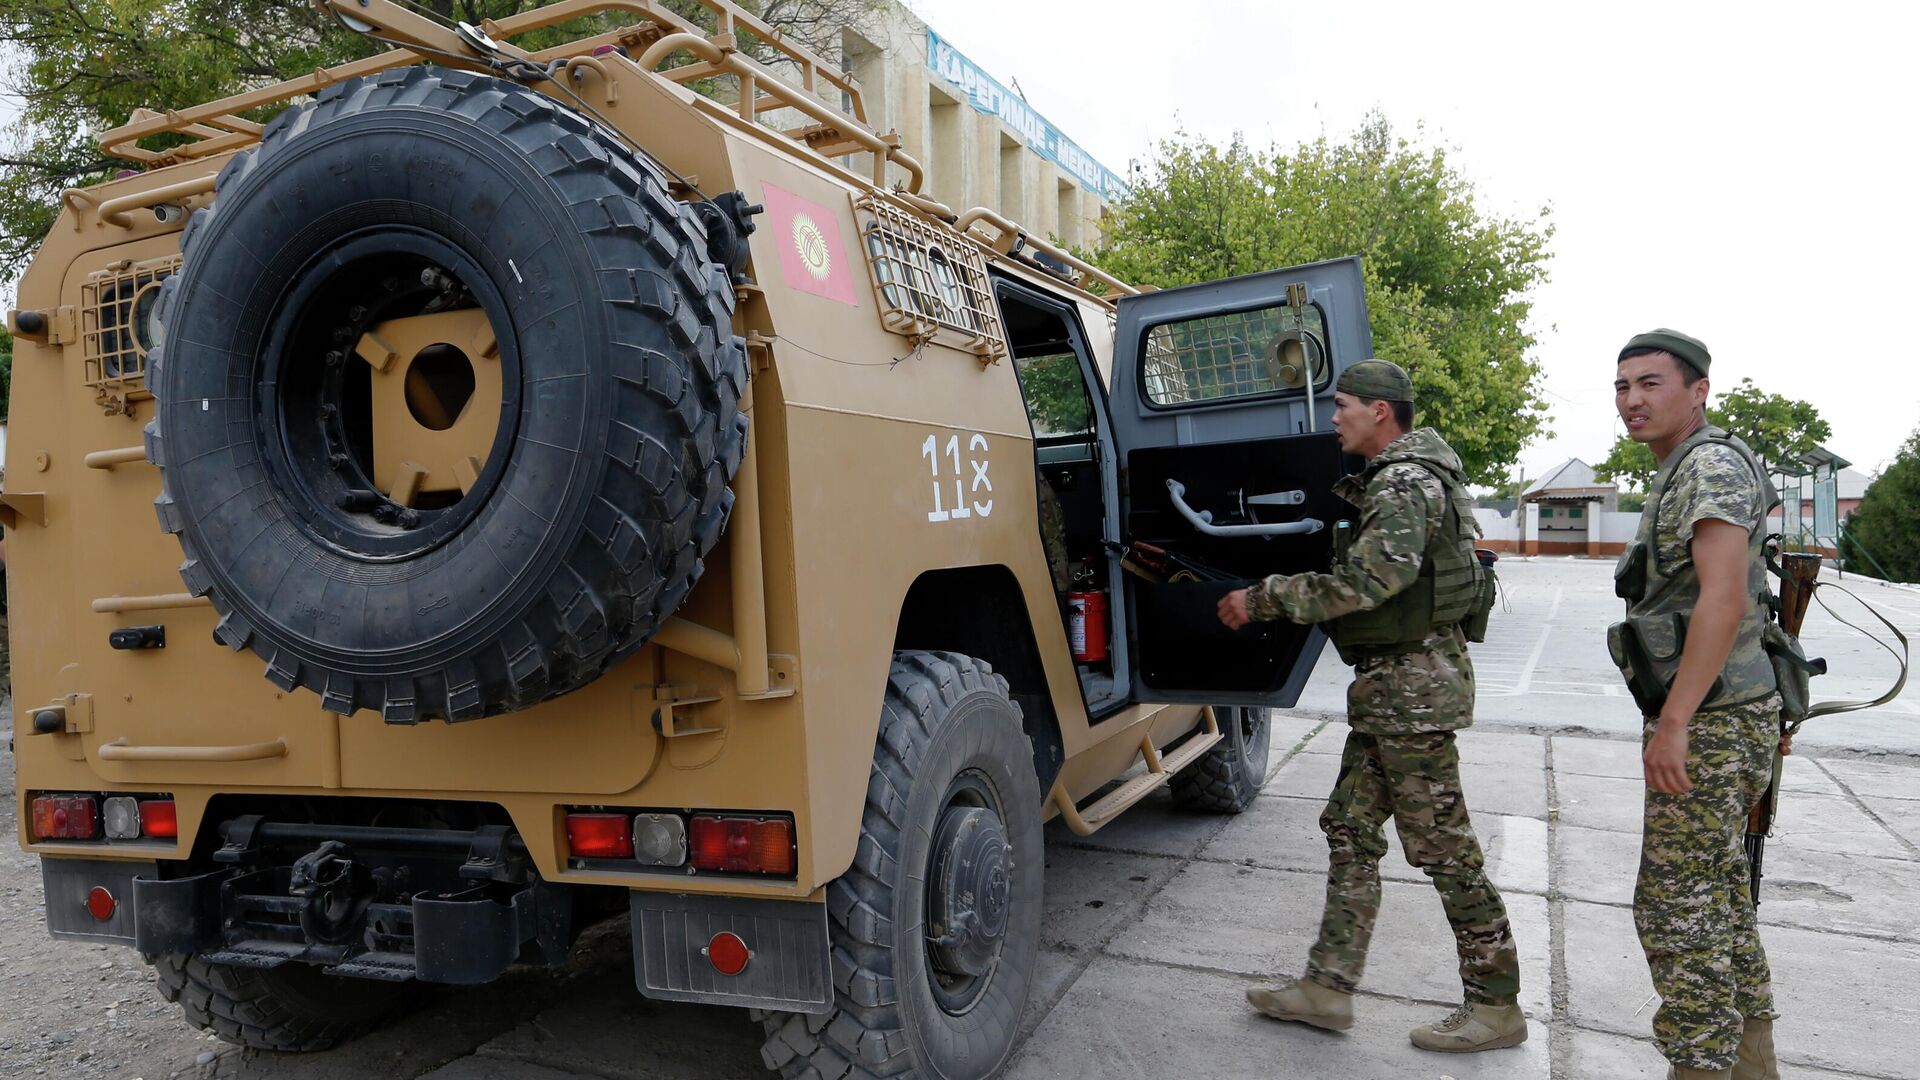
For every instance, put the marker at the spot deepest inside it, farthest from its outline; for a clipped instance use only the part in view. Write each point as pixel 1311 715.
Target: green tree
pixel 1447 283
pixel 81 67
pixel 1883 532
pixel 1779 429
pixel 1629 463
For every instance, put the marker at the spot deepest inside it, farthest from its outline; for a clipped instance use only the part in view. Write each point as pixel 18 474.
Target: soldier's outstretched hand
pixel 1233 609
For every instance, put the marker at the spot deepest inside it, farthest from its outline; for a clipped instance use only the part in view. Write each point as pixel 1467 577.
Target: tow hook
pixel 336 889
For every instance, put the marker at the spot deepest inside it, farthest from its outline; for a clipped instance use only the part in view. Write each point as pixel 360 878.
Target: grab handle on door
pixel 121 750
pixel 1203 519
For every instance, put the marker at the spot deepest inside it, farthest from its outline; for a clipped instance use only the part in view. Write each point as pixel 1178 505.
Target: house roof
pixel 1573 475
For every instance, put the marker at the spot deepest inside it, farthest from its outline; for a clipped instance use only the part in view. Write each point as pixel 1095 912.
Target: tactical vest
pixel 1449 581
pixel 1660 599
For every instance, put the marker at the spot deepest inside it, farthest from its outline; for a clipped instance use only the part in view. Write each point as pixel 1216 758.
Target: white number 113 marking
pixel 976 444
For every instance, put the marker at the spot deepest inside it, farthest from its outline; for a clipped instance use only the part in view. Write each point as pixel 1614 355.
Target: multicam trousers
pixel 1414 779
pixel 1691 903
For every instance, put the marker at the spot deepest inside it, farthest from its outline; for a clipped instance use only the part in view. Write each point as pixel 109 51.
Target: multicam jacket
pixel 1428 687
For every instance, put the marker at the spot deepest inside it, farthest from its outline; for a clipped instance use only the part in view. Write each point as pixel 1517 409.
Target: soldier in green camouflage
pixel 1392 604
pixel 1691 649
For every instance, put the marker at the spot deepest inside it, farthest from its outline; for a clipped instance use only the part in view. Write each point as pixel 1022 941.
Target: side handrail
pixel 1203 519
pixel 1011 234
pixel 122 750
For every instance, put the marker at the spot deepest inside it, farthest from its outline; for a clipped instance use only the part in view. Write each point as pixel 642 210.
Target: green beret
pixel 1376 380
pixel 1673 342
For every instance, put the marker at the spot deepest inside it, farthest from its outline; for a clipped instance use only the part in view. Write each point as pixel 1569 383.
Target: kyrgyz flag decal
pixel 813 251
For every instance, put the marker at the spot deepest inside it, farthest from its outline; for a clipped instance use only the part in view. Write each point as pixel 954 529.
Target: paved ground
pixel 1156 925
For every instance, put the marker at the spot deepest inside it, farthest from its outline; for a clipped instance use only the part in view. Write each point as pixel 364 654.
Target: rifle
pixel 1799 574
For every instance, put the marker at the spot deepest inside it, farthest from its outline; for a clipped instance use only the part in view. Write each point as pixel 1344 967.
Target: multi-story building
pixel 981 143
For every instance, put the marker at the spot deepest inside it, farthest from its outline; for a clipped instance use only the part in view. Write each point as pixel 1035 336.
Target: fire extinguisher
pixel 1087 626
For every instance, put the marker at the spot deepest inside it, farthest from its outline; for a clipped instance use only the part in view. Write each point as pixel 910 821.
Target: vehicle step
pixel 258 954
pixel 1160 768
pixel 384 966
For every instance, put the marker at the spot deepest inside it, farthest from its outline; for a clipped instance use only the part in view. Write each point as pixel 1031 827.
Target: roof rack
pixel 217 127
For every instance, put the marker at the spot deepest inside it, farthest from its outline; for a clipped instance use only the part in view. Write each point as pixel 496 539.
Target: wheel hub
pixel 970 890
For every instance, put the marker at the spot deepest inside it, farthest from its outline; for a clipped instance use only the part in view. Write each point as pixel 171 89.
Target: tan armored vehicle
pixel 638 503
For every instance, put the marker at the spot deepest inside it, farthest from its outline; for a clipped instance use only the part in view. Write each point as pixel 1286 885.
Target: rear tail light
pixel 600 836
pixel 741 845
pixel 65 817
pixel 157 818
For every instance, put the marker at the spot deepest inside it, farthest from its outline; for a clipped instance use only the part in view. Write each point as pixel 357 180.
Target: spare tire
pixel 448 399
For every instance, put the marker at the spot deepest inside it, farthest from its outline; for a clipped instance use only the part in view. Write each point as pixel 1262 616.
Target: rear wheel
pixel 936 925
pixel 1225 779
pixel 293 1007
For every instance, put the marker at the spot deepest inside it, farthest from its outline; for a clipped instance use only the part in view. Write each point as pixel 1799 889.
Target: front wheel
pixel 936 925
pixel 1225 779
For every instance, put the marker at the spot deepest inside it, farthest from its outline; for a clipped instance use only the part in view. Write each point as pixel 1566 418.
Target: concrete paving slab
pixel 1608 987
pixel 1289 733
pixel 1201 1026
pixel 1801 773
pixel 1273 916
pixel 1828 823
pixel 1307 776
pixel 1089 892
pixel 1825 984
pixel 1594 1055
pixel 1814 890
pixel 1876 779
pixel 608 1030
pixel 1502 749
pixel 1285 834
pixel 1506 789
pixel 1597 757
pixel 1600 802
pixel 1055 971
pixel 1900 815
pixel 1597 865
pixel 497 1068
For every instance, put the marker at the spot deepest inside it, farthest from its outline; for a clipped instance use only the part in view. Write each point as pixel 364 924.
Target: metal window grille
pixel 1242 354
pixel 930 283
pixel 117 307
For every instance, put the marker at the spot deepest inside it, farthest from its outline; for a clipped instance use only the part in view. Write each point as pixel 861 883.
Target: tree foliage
pixel 1883 532
pixel 1779 429
pixel 6 374
pixel 1447 283
pixel 84 66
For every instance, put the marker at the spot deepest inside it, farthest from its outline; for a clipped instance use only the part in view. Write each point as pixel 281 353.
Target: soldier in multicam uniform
pixel 1691 648
pixel 1393 604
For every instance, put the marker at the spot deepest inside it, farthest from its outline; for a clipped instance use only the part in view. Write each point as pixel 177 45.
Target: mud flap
pixel 788 968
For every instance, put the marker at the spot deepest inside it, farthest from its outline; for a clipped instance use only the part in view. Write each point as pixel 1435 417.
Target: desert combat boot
pixel 1681 1072
pixel 1473 1027
pixel 1756 1053
pixel 1306 1002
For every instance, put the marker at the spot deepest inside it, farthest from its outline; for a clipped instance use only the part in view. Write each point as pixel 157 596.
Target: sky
pixel 1741 172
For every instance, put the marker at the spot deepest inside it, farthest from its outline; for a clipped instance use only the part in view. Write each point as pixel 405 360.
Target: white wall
pixel 1616 526
pixel 1494 525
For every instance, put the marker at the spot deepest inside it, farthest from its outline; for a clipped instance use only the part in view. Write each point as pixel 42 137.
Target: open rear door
pixel 1222 403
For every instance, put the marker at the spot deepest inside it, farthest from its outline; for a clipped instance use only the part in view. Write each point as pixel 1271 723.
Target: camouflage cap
pixel 1681 346
pixel 1376 380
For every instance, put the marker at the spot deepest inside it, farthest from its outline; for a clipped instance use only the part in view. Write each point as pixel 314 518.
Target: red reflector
pixel 157 818
pixel 65 817
pixel 741 845
pixel 100 904
pixel 727 953
pixel 600 836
